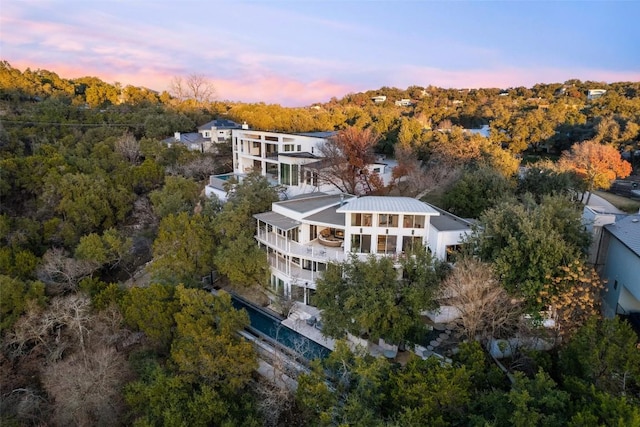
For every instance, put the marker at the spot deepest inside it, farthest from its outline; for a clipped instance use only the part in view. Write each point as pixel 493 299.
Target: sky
pixel 296 53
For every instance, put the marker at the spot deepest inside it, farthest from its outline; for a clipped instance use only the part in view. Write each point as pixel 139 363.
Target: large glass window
pixel 361 219
pixel 413 221
pixel 387 244
pixel 289 174
pixel 388 220
pixel 361 243
pixel 409 243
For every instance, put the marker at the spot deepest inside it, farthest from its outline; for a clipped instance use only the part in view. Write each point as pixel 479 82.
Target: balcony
pixel 313 250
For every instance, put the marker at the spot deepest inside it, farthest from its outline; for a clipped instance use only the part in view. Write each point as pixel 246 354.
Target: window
pixel 361 243
pixel 297 293
pixel 271 138
pixel 452 252
pixel 361 219
pixel 288 147
pixel 388 220
pixel 289 174
pixel 413 221
pixel 409 243
pixel 299 147
pixel 387 244
pixel 311 178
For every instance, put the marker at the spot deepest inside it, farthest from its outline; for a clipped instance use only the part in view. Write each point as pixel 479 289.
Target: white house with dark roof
pixel 218 130
pixel 208 136
pixel 304 234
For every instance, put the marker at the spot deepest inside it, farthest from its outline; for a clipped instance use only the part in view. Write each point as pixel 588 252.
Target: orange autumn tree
pixel 597 163
pixel 573 296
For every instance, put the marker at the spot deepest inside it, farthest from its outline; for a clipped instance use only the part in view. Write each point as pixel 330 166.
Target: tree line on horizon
pixel 89 196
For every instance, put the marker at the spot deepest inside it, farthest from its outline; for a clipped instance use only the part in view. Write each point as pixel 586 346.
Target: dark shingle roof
pixel 627 230
pixel 220 124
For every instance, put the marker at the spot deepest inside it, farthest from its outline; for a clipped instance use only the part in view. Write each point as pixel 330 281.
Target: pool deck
pixel 297 321
pixel 299 317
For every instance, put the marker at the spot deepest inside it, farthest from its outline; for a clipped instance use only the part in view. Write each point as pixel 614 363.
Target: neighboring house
pixel 619 264
pixel 595 93
pixel 304 234
pixel 192 140
pixel 484 131
pixel 404 102
pixel 290 161
pixel 218 130
pixel 379 99
pixel 208 135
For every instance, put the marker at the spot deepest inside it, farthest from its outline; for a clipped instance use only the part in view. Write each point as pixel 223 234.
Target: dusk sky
pixel 296 53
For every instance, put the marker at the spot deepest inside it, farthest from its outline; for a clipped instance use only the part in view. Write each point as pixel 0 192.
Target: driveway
pixel 598 202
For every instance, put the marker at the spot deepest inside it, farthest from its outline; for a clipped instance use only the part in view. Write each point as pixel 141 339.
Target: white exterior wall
pixel 439 240
pixel 250 151
pixel 375 230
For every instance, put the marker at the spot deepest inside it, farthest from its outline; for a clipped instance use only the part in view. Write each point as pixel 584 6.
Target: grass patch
pixel 625 204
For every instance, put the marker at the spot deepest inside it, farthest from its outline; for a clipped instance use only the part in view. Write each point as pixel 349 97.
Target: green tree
pixel 207 346
pixel 111 248
pixel 184 249
pixel 527 242
pixel 15 296
pixel 475 191
pixel 604 353
pixel 163 398
pixel 368 296
pixel 178 195
pixel 151 310
pixel 429 392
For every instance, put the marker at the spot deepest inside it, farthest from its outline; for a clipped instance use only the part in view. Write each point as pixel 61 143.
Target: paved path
pixel 598 202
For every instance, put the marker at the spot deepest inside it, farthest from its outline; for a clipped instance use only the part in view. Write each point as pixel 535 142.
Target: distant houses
pixel 208 136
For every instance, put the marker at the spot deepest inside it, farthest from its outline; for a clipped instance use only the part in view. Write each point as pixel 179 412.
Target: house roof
pixel 327 216
pixel 627 231
pixel 387 205
pixel 220 124
pixel 187 138
pixel 310 204
pixel 299 155
pixel 277 220
pixel 449 222
pixel 327 134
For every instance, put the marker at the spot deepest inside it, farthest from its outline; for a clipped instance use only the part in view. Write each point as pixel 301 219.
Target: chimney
pixel 341 199
pixel 245 126
pixel 176 136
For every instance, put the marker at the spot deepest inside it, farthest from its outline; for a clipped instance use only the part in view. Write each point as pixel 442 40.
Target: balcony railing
pixel 313 251
pixel 295 272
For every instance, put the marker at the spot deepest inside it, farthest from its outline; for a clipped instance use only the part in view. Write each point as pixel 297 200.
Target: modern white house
pixel 290 161
pixel 304 234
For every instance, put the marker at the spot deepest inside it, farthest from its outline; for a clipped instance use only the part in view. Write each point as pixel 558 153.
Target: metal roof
pixel 387 204
pixel 627 230
pixel 449 222
pixel 280 221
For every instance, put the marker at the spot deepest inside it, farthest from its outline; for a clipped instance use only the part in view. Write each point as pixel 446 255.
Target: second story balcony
pixel 312 250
